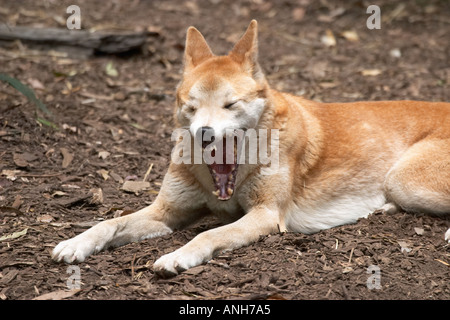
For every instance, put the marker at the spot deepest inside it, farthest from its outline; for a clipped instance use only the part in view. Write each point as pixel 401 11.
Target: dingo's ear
pixel 196 51
pixel 245 51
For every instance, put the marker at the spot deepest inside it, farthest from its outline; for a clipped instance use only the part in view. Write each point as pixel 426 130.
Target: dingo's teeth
pixel 216 193
pixel 230 191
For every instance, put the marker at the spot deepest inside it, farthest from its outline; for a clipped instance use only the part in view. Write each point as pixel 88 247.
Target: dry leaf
pixel 10 174
pixel 46 218
pixel 347 270
pixel 370 72
pixel 19 160
pixel 58 193
pixel 14 235
pixel 57 295
pixel 328 39
pixel 97 196
pixel 67 157
pixel 110 70
pixel 350 35
pixel 395 53
pixel 103 154
pixel 195 270
pixel 104 173
pixel 327 85
pixel 135 186
pixel 404 246
pixel 70 89
pixel 65 126
pixel 17 202
pixel 36 84
pixel 70 186
pixel 116 177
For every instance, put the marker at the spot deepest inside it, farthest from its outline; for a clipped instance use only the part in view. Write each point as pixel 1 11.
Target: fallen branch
pixel 94 42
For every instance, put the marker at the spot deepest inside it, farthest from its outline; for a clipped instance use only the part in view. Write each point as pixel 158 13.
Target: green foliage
pixel 25 90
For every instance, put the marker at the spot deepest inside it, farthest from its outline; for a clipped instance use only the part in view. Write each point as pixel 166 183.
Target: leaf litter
pixel 57 203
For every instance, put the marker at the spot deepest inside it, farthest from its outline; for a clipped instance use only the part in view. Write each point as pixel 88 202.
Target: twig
pixel 345 292
pixel 351 255
pixel 443 262
pixel 39 175
pixel 132 267
pixel 148 172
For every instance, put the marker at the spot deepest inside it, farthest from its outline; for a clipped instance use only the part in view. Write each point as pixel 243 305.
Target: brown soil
pixel 129 117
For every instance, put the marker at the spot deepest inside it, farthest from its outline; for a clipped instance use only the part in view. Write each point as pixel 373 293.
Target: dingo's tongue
pixel 224 175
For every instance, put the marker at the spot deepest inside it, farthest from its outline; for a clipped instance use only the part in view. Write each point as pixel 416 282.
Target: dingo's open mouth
pixel 221 157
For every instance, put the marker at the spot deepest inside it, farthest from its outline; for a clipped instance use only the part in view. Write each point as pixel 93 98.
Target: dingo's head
pixel 221 93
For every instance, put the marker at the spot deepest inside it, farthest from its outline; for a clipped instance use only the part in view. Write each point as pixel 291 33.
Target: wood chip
pixel 17 202
pixel 57 295
pixel 67 157
pixel 7 278
pixel 96 196
pixel 19 160
pixel 135 186
pixel 45 218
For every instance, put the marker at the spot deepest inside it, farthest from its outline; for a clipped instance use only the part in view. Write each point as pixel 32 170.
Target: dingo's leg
pixel 258 221
pixel 420 180
pixel 178 204
pixel 145 223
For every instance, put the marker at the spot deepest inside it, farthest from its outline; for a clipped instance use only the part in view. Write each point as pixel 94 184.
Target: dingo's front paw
pixel 173 263
pixel 74 250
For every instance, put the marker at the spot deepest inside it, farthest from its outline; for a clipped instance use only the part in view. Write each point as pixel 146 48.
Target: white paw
pixel 447 235
pixel 390 208
pixel 74 250
pixel 173 263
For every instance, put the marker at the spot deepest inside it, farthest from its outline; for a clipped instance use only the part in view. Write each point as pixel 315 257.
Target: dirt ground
pixel 112 120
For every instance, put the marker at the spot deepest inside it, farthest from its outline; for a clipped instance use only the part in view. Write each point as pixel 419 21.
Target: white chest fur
pixel 315 216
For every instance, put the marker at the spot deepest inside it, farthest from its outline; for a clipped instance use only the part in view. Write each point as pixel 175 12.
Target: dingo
pixel 338 162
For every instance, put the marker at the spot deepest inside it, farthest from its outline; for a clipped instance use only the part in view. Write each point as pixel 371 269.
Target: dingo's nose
pixel 207 135
pixel 209 131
